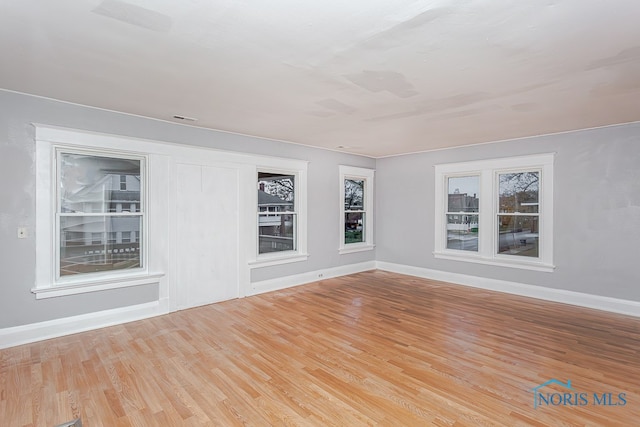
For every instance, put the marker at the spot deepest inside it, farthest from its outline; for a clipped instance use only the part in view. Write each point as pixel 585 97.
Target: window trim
pixel 49 142
pixel 488 171
pixel 299 170
pixel 367 175
pixel 59 150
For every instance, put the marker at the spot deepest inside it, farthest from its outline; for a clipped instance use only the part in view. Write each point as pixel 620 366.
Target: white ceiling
pixel 376 77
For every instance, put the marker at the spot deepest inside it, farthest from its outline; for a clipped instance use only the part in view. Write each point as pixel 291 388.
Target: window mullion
pixel 485 222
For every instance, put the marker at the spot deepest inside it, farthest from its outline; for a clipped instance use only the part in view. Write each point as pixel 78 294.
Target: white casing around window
pixel 347 172
pixel 164 161
pixel 298 169
pixel 49 140
pixel 488 170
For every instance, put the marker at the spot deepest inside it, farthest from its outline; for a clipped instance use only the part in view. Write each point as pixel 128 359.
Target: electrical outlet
pixel 320 275
pixel 22 233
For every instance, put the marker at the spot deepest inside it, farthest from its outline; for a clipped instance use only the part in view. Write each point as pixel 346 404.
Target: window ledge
pixel 96 285
pixel 348 249
pixel 269 260
pixel 535 266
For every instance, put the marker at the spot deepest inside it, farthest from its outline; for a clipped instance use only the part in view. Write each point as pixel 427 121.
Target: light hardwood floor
pixel 373 348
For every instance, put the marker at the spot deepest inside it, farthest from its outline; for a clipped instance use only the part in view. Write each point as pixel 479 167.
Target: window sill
pixel 269 260
pixel 523 265
pixel 96 285
pixel 353 248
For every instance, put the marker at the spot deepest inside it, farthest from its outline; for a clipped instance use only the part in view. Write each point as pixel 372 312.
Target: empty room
pixel 394 213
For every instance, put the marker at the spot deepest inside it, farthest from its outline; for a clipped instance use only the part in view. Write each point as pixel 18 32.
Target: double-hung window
pixel 281 213
pixel 356 203
pixel 92 206
pixel 497 212
pixel 277 213
pixel 518 217
pixel 463 212
pixel 99 206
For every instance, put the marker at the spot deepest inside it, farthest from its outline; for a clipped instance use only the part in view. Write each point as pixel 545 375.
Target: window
pixel 356 205
pixel 88 186
pixel 96 238
pixel 497 212
pixel 518 213
pixel 280 209
pixel 463 212
pixel 81 217
pixel 277 216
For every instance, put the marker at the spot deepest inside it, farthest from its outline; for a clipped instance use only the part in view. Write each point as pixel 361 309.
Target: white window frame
pixel 59 151
pixel 367 175
pixel 488 171
pixel 49 142
pixel 298 169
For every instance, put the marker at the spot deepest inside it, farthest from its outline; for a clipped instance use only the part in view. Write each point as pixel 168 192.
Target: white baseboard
pixel 25 334
pixel 311 276
pixel 614 305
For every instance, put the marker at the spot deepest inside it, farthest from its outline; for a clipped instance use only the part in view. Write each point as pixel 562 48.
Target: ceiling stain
pixel 378 81
pixel 437 105
pixel 625 56
pixel 393 36
pixel 439 116
pixel 335 105
pixel 524 107
pixel 322 113
pixel 624 83
pixel 134 15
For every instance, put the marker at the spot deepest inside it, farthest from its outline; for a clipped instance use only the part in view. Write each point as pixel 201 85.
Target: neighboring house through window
pixel 91 213
pixel 277 216
pixel 281 213
pixel 496 212
pixel 93 237
pixel 356 205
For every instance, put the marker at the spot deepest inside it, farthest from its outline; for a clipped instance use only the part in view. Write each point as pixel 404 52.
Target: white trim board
pixel 308 277
pixel 25 334
pixel 614 305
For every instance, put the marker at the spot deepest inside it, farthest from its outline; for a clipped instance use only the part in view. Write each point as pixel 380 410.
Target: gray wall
pixel 18 305
pixel 596 210
pixel 597 206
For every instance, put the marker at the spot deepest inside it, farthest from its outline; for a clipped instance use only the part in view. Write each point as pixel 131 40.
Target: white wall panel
pixel 206 235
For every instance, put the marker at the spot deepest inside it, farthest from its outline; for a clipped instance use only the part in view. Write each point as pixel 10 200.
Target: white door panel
pixel 206 234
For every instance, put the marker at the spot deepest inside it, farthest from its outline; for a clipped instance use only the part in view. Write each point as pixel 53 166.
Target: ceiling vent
pixel 185 118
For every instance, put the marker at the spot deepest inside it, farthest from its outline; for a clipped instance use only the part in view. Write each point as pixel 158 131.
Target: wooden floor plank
pixel 373 348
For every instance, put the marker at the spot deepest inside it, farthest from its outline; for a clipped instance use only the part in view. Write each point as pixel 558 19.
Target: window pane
pixel 98 184
pixel 462 232
pixel 276 192
pixel 463 194
pixel 354 227
pixel 276 232
pixel 519 192
pixel 518 235
pixel 82 252
pixel 354 194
